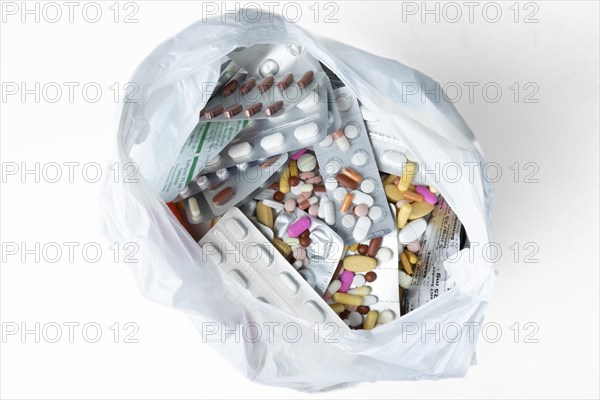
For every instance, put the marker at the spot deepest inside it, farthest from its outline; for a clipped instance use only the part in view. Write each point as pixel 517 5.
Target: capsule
pixel 352 174
pixel 285 81
pixel 264 214
pixel 248 86
pixel 370 320
pixel 229 88
pixel 306 79
pixel 253 109
pixel 403 214
pixel 412 257
pixel 273 108
pixel 233 110
pixel 410 195
pixel 339 137
pixel 346 203
pixel 407 175
pixel 284 181
pixel 405 264
pixel 293 166
pixel 213 112
pixel 266 83
pixel 348 299
pixel 360 291
pixel 337 308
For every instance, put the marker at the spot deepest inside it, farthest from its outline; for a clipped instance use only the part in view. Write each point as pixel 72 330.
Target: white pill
pixel 359 158
pixel 368 115
pixel 331 183
pixel 334 286
pixel 292 242
pixel 306 132
pixel 313 200
pixel 343 103
pixel 359 197
pixel 376 213
pixel 222 174
pixel 359 280
pixel 355 318
pixel 240 150
pixel 297 190
pixel 311 100
pixel 386 316
pixel 412 231
pixel 321 213
pixel 361 230
pixel 272 141
pixel 393 158
pixel 273 204
pixel 367 186
pixel 351 131
pixel 307 162
pixel 202 182
pixel 348 221
pixel 194 208
pixel 328 141
pixel 339 193
pixel 369 300
pixel 297 264
pixel 333 167
pixel 404 279
pixel 384 254
pixel 329 212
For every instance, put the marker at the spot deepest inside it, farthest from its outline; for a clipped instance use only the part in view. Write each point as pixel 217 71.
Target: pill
pixel 367 186
pixel 362 198
pixel 319 190
pixel 392 193
pixel 293 242
pixel 359 280
pixel 361 230
pixel 296 189
pixel 368 115
pixel 306 79
pixel 346 181
pixel 346 203
pixel 384 254
pixel 374 245
pixel 363 309
pixel 370 276
pixel 297 264
pixel 315 180
pixel 339 194
pixel 194 208
pixel 222 174
pixel 405 263
pixel 233 110
pixel 349 299
pixel 294 181
pixel 306 175
pixel 248 86
pixel 359 158
pixel 393 158
pixel 386 316
pixel 282 247
pixel 414 246
pixel 290 205
pixel 299 253
pixel 337 307
pixel 306 188
pixel 273 204
pixel 353 247
pixel 401 202
pixel 266 83
pixel 389 179
pixel 369 300
pixel 346 279
pixel 253 109
pixel 352 174
pixel 298 227
pixel 343 103
pixel 361 291
pixel 230 87
pixel 412 196
pixel 298 154
pixel 327 141
pixel 428 196
pixel 376 213
pixel 264 214
pixel 285 81
pixel 412 257
pixel 213 112
pixel 407 174
pixel 306 132
pixel 321 213
pixel 351 131
pixel 304 205
pixel 362 249
pixel 223 196
pixel 284 181
pixel 333 167
pixel 274 108
pixel 355 319
pixel 329 212
pixel 272 141
pixel 310 101
pixel 345 320
pixel 359 263
pixel 370 320
pixel 334 286
pixel 361 210
pixel 307 162
pixel 240 150
pixel 403 214
pixel 202 182
pixel 278 196
pixel 313 210
pixel 404 280
pixel 341 140
pixel 412 231
pixel 420 210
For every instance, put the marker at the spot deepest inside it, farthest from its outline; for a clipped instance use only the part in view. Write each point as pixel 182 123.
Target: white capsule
pixel 194 208
pixel 240 150
pixel 329 212
pixel 306 132
pixel 361 230
pixel 359 197
pixel 272 141
pixel 393 158
pixel 412 231
pixel 273 204
pixel 369 300
pixel 360 291
pixel 334 286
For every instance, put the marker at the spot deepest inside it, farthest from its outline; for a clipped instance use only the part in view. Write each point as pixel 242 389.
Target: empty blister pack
pixel 351 177
pixel 237 247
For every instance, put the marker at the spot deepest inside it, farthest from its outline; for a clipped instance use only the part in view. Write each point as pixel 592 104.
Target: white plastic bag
pixel 171 272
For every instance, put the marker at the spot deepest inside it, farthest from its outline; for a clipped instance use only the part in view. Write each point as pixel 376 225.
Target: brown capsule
pixel 294 181
pixel 278 196
pixel 306 79
pixel 352 174
pixel 363 309
pixel 253 109
pixel 230 87
pixel 319 189
pixel 370 276
pixel 223 196
pixel 266 83
pixel 305 241
pixel 269 162
pixel 362 249
pixel 304 205
pixel 248 86
pixel 273 108
pixel 213 112
pixel 285 81
pixel 345 181
pixel 374 245
pixel 233 110
pixel 408 195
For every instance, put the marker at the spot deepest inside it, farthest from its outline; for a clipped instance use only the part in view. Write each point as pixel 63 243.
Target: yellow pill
pixel 370 320
pixel 389 179
pixel 412 257
pixel 405 264
pixel 361 291
pixel 392 193
pixel 353 247
pixel 420 209
pixel 293 168
pixel 281 246
pixel 348 299
pixel 337 307
pixel 407 174
pixel 403 215
pixel 359 263
pixel 284 181
pixel 264 214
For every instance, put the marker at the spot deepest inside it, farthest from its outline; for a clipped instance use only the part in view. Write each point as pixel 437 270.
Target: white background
pixel 558 54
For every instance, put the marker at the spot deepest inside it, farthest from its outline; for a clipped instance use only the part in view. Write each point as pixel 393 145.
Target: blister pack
pixel 237 247
pixel 351 177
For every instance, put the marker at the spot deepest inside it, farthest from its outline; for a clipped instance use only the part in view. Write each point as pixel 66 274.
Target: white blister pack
pixel 237 247
pixel 349 169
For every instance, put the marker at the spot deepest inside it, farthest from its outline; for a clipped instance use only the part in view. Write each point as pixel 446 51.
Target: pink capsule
pixel 427 195
pixel 298 154
pixel 315 180
pixel 306 175
pixel 298 227
pixel 346 278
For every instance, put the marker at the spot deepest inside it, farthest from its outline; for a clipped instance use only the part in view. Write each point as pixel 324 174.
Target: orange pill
pixel 346 203
pixel 352 174
pixel 408 195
